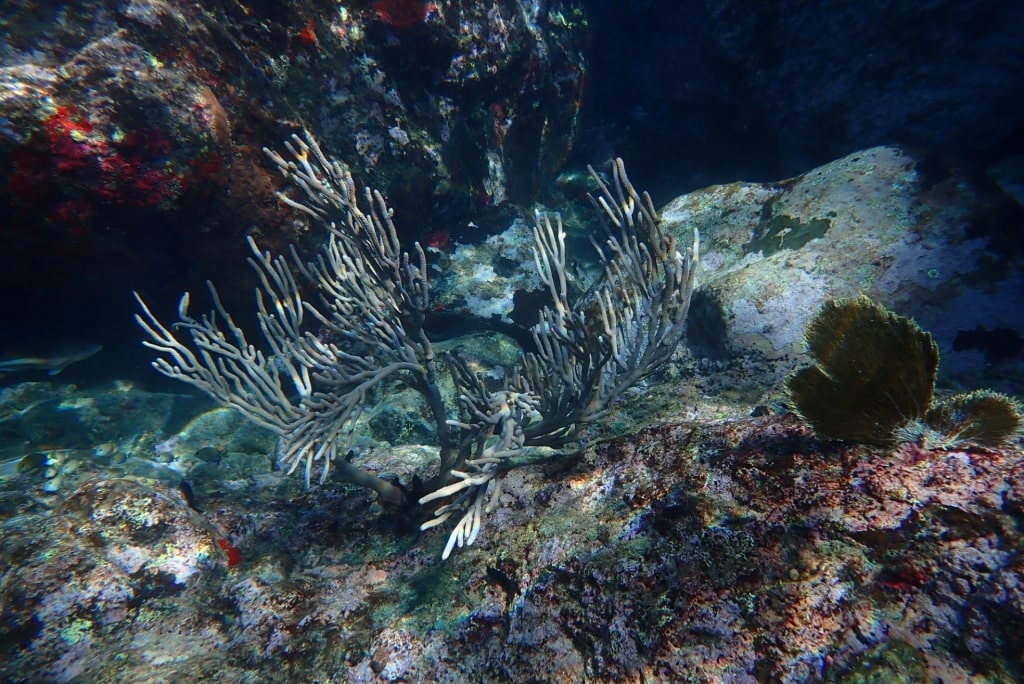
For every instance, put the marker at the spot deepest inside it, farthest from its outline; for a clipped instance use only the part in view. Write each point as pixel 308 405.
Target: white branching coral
pixel 374 298
pixel 508 412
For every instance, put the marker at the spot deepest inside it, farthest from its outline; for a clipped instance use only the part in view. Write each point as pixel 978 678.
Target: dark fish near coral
pixel 188 495
pixel 51 364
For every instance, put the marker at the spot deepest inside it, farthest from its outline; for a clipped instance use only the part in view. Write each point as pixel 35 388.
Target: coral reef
pixel 130 136
pixel 690 529
pixel 905 229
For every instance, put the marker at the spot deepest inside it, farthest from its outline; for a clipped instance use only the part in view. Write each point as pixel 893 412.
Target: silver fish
pixel 50 364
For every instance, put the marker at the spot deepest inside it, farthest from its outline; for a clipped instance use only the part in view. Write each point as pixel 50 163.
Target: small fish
pixel 185 489
pixel 52 364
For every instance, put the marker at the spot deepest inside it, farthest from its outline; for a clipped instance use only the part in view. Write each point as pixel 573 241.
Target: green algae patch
pixel 786 232
pixel 892 662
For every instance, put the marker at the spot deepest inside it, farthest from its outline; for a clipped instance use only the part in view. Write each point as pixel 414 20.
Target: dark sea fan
pixel 874 371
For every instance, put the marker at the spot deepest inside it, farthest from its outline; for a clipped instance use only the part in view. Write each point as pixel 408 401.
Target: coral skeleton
pixel 373 299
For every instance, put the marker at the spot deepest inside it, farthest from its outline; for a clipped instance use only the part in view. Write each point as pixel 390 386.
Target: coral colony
pixel 874 382
pixel 373 300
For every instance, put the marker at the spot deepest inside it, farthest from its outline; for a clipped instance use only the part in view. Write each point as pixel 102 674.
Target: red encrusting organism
pixel 307 36
pixel 905 580
pixel 401 13
pixel 73 167
pixel 234 555
pixel 439 239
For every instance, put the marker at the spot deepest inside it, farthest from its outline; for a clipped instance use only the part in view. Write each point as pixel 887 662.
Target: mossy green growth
pixel 873 382
pixel 874 372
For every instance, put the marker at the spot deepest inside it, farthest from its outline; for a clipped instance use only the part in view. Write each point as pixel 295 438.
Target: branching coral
pixel 373 300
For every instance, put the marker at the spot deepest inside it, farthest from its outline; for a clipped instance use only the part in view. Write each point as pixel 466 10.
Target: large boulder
pixel 924 240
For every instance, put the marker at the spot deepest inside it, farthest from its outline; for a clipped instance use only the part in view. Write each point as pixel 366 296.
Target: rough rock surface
pixel 924 240
pixel 741 551
pixel 131 137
